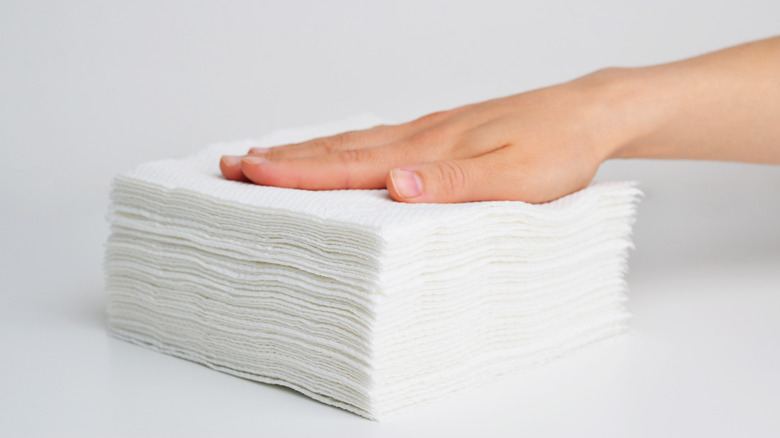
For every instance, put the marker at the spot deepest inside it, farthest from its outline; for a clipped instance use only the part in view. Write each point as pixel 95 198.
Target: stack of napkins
pixel 351 298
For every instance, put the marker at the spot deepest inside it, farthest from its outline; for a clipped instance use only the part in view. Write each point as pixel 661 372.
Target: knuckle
pixel 274 153
pixel 351 156
pixel 429 137
pixel 331 144
pixel 451 177
pixel 433 117
pixel 339 141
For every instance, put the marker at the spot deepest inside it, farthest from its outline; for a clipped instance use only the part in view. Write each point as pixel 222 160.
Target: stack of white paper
pixel 354 299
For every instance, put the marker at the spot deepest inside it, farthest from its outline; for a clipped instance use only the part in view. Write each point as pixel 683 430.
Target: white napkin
pixel 354 299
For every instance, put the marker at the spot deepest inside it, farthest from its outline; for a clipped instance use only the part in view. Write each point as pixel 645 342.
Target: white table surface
pixel 90 89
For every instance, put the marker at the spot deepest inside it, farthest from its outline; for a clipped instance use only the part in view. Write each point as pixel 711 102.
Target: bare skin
pixel 543 144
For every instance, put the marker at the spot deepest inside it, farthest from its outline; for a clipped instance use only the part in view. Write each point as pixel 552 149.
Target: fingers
pixel 359 168
pixel 487 177
pixel 348 169
pixel 419 129
pixel 378 135
pixel 230 165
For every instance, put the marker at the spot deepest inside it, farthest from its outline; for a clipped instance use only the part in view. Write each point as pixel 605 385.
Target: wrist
pixel 632 110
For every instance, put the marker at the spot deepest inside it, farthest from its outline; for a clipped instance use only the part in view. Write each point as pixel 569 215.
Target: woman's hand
pixel 547 143
pixel 532 147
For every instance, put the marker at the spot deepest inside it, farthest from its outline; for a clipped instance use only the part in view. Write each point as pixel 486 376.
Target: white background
pixel 91 88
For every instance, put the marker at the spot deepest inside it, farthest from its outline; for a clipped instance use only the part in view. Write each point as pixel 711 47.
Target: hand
pixel 532 147
pixel 547 143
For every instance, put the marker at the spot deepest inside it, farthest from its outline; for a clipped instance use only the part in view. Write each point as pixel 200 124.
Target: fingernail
pixel 258 150
pixel 253 160
pixel 231 160
pixel 407 183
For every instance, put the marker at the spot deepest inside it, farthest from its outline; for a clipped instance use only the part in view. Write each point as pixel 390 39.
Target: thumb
pixel 474 179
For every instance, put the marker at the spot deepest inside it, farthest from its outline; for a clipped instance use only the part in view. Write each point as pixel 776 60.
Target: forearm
pixel 723 105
